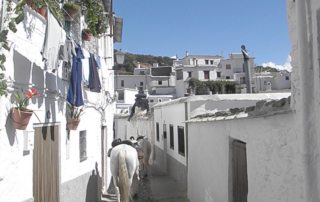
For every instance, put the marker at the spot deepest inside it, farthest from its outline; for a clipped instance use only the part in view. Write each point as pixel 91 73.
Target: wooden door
pixel 239 168
pixel 46 177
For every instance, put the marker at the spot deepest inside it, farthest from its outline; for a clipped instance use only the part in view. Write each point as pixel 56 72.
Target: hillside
pixel 131 61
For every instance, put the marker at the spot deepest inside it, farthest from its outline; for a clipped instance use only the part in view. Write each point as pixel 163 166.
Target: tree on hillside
pixel 131 61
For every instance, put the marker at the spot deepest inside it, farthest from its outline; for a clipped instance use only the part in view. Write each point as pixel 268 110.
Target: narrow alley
pixel 155 188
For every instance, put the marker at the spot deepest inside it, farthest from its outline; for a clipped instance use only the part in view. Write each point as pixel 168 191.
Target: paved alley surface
pixel 155 188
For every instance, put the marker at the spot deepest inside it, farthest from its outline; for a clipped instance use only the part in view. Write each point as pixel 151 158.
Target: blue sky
pixel 217 27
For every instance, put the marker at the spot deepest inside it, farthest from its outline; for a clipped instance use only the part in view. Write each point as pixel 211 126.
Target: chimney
pixel 138 65
pixel 155 65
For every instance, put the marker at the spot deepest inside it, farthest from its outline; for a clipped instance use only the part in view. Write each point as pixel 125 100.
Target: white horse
pixel 124 164
pixel 144 151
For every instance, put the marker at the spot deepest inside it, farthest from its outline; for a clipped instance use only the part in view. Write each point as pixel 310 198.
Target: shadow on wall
pixel 94 186
pixel 11 132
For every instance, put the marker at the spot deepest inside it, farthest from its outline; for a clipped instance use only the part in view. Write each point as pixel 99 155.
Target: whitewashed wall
pixel 274 171
pixel 25 66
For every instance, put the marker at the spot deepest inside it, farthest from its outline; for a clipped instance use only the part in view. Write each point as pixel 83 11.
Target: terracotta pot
pixel 20 119
pixel 72 124
pixel 86 36
pixel 42 11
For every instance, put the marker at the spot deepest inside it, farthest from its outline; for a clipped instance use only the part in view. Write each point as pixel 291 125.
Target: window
pixel 219 74
pixel 211 62
pixel 159 100
pixel 189 74
pixel 151 101
pixel 181 148
pixel 159 82
pixel 242 80
pixel 141 83
pixel 122 83
pixel 164 131
pixel 157 131
pixel 287 78
pixel 142 73
pixel 207 62
pixel 206 74
pixel 171 136
pixel 83 145
pixel 227 77
pixel 120 95
pixel 228 66
pixel 179 75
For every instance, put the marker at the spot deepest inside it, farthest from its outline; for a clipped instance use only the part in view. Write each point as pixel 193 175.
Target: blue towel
pixel 94 80
pixel 74 96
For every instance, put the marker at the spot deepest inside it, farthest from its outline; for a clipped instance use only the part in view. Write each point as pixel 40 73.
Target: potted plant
pixel 20 114
pixel 86 35
pixel 38 5
pixel 70 9
pixel 73 119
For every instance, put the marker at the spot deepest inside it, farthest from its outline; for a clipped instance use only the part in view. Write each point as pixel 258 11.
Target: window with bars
pixel 157 131
pixel 171 136
pixel 181 146
pixel 206 74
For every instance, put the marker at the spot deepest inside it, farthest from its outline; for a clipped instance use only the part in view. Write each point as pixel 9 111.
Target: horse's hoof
pixel 135 196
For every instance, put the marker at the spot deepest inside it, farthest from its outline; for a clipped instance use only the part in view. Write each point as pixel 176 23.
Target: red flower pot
pixel 20 119
pixel 72 124
pixel 86 35
pixel 42 11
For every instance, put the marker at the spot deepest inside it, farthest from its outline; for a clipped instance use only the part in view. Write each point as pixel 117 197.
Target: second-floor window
pixel 159 82
pixel 287 78
pixel 189 74
pixel 207 62
pixel 228 66
pixel 219 74
pixel 141 83
pixel 122 83
pixel 206 74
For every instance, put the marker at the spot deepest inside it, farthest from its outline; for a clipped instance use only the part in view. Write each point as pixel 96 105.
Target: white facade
pixel 143 78
pixel 268 81
pixel 25 68
pixel 176 112
pixel 273 170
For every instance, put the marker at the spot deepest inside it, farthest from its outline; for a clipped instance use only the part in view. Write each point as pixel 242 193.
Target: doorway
pixel 46 164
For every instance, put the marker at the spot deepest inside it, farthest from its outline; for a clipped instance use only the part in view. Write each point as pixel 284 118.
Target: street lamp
pixel 119 57
pixel 247 68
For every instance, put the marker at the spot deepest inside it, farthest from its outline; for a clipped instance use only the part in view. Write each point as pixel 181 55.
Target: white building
pixel 205 68
pixel 47 159
pixel 272 81
pixel 201 67
pixel 158 80
pixel 171 135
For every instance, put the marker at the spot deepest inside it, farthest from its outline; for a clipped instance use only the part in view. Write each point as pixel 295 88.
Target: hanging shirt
pixel 94 80
pixel 54 38
pixel 74 96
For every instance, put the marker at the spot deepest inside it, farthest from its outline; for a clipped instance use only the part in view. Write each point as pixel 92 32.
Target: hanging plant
pixel 95 18
pixel 70 10
pixel 73 116
pixel 86 35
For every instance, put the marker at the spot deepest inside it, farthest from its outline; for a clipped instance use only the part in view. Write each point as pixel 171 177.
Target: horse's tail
pixel 123 177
